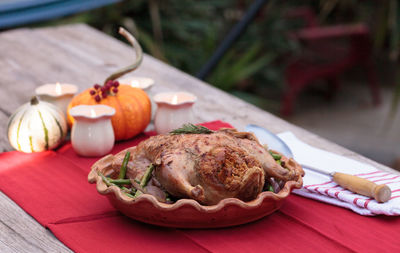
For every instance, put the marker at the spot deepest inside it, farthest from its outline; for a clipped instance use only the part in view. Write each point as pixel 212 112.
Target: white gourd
pixel 36 126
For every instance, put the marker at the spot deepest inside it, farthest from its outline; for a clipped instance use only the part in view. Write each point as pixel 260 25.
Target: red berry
pixel 109 84
pixel 96 86
pixel 97 98
pixel 104 94
pixel 115 90
pixel 103 89
pixel 92 92
pixel 115 84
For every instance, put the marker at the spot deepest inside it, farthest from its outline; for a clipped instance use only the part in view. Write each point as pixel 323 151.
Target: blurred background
pixel 330 66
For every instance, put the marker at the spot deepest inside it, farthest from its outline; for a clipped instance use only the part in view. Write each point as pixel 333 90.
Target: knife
pixel 380 193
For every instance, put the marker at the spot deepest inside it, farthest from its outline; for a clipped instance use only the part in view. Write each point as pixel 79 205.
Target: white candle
pixel 173 110
pixel 58 94
pixel 143 83
pixel 92 132
pixel 175 98
pixel 92 113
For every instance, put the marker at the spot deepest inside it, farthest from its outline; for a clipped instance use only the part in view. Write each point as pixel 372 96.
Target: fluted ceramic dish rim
pixel 103 189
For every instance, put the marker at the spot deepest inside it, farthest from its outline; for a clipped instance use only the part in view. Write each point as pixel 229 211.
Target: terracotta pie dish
pixel 188 213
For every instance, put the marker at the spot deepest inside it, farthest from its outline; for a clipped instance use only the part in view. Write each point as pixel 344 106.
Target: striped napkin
pixel 321 187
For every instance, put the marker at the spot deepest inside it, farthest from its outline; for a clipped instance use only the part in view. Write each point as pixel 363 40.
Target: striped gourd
pixel 36 126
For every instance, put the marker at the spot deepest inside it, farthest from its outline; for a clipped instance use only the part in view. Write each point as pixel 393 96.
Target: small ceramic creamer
pixel 92 132
pixel 173 110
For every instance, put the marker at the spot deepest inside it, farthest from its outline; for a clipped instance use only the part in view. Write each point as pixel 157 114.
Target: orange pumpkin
pixel 132 106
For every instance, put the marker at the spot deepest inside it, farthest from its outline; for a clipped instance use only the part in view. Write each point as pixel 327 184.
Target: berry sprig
pixel 99 92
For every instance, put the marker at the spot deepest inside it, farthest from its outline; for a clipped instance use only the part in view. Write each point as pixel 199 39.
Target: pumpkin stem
pixel 139 56
pixel 34 100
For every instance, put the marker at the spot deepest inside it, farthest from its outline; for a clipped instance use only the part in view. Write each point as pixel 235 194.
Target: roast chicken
pixel 204 167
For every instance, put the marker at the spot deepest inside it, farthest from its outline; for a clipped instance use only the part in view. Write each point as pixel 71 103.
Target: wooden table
pixel 83 56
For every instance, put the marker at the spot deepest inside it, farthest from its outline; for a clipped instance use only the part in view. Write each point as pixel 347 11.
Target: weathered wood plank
pixel 3 137
pixel 19 232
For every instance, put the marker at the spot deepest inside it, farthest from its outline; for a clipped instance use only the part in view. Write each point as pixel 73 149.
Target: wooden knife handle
pixel 380 193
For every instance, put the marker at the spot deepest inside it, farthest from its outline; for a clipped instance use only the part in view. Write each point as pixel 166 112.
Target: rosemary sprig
pixel 191 129
pixel 122 171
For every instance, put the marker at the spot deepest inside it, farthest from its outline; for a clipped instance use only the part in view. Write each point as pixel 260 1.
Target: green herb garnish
pixel 191 129
pixel 122 171
pixel 120 181
pixel 105 180
pixel 145 179
pixel 109 182
pixel 275 156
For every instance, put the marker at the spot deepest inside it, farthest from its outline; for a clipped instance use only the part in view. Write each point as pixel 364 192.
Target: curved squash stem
pixel 34 100
pixel 139 56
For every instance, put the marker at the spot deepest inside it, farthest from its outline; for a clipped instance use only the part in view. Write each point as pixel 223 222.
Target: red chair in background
pixel 327 52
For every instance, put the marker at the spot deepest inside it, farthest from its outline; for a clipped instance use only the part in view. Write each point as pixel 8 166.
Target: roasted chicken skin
pixel 205 167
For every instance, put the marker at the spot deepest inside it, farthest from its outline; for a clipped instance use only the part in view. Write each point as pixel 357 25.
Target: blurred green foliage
pixel 185 33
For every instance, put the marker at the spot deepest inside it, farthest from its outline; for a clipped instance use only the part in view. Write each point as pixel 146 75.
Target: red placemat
pixel 53 188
